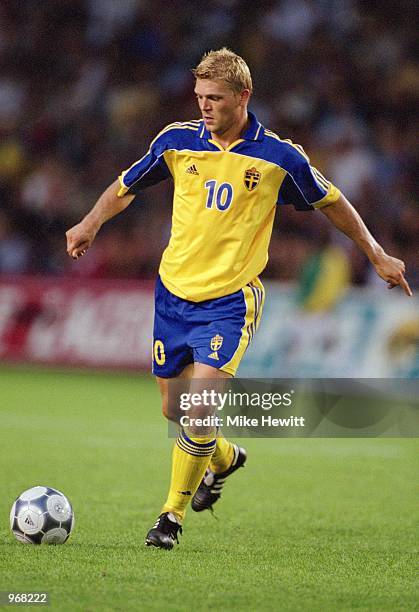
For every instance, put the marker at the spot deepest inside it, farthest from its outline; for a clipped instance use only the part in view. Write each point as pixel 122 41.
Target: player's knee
pixel 199 421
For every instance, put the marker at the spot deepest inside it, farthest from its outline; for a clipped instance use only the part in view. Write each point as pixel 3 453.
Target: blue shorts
pixel 215 332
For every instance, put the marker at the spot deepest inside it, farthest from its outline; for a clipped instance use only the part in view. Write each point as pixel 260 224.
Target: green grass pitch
pixel 318 524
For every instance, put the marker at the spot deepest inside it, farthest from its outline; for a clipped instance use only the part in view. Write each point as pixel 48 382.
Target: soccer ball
pixel 42 515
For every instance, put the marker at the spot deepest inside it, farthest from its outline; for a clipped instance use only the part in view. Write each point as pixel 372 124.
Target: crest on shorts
pixel 251 178
pixel 216 342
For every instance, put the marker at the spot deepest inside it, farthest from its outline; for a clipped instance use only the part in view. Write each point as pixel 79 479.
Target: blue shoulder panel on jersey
pixel 299 187
pixel 181 135
pixel 152 168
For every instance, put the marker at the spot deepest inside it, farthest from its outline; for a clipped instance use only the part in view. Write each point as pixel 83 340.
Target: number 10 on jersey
pixel 221 194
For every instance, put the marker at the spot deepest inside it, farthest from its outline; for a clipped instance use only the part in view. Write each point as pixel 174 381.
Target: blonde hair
pixel 224 65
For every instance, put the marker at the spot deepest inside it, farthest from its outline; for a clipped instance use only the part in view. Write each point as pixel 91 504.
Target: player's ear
pixel 244 97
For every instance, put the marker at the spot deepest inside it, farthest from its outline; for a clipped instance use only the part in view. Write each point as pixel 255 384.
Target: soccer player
pixel 229 174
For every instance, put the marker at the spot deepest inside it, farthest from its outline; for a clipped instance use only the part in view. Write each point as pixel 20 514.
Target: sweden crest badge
pixel 251 178
pixel 216 343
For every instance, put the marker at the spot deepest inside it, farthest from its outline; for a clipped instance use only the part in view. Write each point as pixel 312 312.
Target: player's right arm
pixel 81 236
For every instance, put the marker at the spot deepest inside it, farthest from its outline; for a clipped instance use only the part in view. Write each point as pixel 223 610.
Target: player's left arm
pixel 346 219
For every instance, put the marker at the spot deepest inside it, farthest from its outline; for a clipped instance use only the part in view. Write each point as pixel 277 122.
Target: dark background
pixel 86 84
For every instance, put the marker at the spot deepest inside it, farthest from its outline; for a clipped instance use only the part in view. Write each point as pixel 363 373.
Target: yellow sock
pixel 190 459
pixel 223 455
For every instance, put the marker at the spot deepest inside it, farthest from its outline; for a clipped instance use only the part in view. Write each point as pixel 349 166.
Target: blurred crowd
pixel 86 84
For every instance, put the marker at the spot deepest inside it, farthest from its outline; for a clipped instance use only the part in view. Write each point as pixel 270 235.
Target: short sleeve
pixel 149 170
pixel 304 186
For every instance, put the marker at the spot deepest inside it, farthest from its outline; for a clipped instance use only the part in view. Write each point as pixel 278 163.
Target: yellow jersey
pixel 224 202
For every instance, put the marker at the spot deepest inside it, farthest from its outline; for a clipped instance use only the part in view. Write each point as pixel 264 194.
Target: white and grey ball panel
pixel 33 493
pixel 30 520
pixel 58 535
pixel 59 508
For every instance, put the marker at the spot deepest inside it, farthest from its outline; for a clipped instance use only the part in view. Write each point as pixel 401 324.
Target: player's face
pixel 220 106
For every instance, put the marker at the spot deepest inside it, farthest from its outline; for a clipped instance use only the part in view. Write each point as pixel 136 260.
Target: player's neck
pixel 225 139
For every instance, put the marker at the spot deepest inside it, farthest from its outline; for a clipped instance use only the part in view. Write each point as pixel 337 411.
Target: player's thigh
pixel 206 377
pixel 202 371
pixel 199 376
pixel 207 383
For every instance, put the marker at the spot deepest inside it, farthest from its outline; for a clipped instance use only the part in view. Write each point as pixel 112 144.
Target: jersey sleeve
pixel 304 186
pixel 147 171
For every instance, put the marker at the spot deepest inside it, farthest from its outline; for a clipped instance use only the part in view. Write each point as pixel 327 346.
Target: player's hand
pixel 80 238
pixel 392 271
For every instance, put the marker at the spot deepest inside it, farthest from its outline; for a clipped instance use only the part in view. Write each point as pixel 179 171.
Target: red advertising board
pixel 78 323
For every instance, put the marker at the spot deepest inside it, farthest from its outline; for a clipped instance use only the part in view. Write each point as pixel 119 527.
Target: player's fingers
pixel 405 286
pixel 402 282
pixel 79 251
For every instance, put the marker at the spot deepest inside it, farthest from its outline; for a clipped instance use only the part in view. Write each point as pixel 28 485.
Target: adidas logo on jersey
pixel 214 355
pixel 192 170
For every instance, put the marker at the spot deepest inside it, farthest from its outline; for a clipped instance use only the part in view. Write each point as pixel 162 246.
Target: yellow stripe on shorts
pixel 254 297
